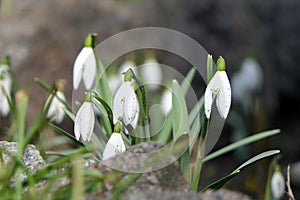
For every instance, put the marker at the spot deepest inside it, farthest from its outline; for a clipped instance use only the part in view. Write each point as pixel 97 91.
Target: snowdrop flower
pixel 248 80
pixel 115 144
pixel 85 120
pixel 56 110
pixel 126 105
pixel 277 185
pixel 219 85
pixel 152 73
pixel 166 101
pixel 5 87
pixel 85 65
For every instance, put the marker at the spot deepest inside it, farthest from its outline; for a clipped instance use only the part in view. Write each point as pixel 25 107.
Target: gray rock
pixel 32 159
pixel 165 183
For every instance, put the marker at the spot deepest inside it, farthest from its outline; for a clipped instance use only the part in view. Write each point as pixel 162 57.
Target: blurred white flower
pixel 248 80
pixel 114 81
pixel 5 89
pixel 152 73
pixel 128 64
pixel 220 86
pixel 85 68
pixel 84 121
pixel 166 101
pixel 277 185
pixel 126 105
pixel 56 110
pixel 114 146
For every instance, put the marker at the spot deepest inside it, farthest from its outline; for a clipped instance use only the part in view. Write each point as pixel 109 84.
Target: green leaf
pixel 218 184
pixel 258 157
pixel 59 130
pixel 186 83
pixel 240 143
pixel 179 111
pixel 164 135
pixel 195 111
pixel 103 88
pixel 210 70
pixel 22 103
pixel 195 129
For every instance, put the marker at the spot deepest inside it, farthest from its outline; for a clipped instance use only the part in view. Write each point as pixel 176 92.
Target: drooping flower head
pixel 277 185
pixel 125 104
pixel 5 86
pixel 85 66
pixel 85 120
pixel 115 144
pixel 56 111
pixel 152 73
pixel 115 80
pixel 219 85
pixel 166 101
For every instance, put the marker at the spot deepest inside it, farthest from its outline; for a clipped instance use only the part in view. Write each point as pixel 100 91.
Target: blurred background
pixel 260 41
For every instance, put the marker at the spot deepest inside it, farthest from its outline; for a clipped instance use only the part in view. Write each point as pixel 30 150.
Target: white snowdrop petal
pixel 77 128
pixel 52 107
pixel 84 121
pixel 5 89
pixel 89 71
pixel 220 86
pixel 114 146
pixel 152 74
pixel 79 65
pixel 209 91
pixel 277 185
pixel 56 109
pixel 4 107
pixel 125 105
pixel 166 101
pixel 130 108
pixel 60 107
pixel 224 97
pixel 119 100
pixel 60 115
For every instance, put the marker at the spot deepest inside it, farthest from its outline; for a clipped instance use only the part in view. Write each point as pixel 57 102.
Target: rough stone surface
pixel 165 183
pixel 32 159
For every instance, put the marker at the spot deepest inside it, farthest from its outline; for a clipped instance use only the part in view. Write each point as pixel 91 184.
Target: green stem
pixel 106 107
pixel 141 93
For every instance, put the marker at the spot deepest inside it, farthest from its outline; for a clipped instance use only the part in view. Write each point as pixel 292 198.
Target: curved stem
pixel 106 107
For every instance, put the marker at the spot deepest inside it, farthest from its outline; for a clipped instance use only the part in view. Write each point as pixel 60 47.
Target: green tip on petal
pixel 128 75
pixel 149 55
pixel 117 127
pixel 6 60
pixel 88 97
pixel 90 40
pixel 277 168
pixel 221 64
